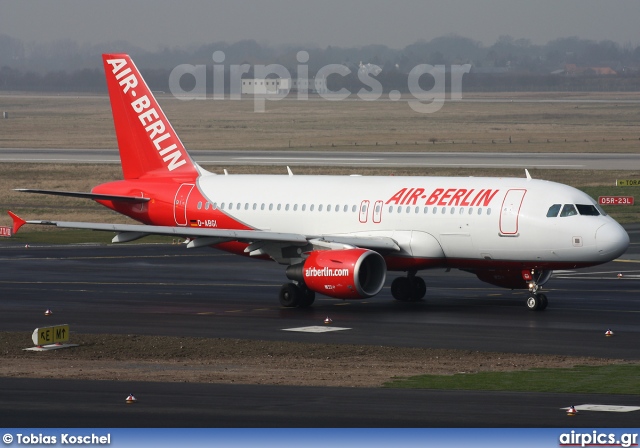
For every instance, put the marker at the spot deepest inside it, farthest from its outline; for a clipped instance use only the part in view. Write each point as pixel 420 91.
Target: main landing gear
pixel 409 288
pixel 296 295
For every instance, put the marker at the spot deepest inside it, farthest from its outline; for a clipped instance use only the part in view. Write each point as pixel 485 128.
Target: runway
pixel 169 290
pixel 582 161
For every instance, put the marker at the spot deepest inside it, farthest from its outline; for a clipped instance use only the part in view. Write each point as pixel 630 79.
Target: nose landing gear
pixel 536 301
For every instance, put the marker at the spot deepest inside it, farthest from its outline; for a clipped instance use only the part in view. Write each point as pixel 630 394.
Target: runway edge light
pixel 571 411
pixel 608 333
pixel 131 399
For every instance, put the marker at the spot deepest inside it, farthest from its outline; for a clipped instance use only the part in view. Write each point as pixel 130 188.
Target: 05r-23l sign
pixel 615 200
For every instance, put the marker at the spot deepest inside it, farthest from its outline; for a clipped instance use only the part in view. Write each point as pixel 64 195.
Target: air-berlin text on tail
pixel 444 196
pixel 157 130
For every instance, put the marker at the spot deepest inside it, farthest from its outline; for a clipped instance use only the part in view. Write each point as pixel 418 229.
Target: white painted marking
pixel 323 159
pixel 315 329
pixel 605 408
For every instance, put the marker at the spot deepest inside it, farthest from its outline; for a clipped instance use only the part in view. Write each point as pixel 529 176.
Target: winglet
pixel 17 222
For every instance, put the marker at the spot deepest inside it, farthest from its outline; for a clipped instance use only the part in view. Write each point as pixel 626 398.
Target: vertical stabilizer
pixel 148 144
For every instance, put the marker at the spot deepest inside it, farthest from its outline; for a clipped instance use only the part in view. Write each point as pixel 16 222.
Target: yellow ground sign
pixel 51 335
pixel 628 182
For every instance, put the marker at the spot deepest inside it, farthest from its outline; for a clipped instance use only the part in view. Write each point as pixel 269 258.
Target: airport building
pixel 257 86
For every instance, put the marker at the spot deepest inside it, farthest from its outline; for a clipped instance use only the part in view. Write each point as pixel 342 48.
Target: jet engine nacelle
pixel 513 278
pixel 343 274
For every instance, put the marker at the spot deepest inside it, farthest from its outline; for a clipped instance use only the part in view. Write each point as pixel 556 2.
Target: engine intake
pixel 343 274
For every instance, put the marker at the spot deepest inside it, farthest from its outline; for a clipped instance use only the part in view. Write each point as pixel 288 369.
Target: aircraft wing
pixel 94 196
pixel 209 236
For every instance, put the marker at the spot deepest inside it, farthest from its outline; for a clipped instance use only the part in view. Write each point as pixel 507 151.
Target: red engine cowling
pixel 343 274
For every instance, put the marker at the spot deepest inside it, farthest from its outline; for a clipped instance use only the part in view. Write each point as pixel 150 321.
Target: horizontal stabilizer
pixel 94 196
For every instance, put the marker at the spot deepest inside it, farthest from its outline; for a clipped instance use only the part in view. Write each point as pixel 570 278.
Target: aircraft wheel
pixel 543 301
pixel 533 302
pixel 401 289
pixel 307 297
pixel 418 288
pixel 290 295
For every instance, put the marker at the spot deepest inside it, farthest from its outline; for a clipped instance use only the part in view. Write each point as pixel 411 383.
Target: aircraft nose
pixel 611 240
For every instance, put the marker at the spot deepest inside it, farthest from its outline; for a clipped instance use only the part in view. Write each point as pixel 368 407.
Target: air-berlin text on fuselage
pixel 444 196
pixel 157 130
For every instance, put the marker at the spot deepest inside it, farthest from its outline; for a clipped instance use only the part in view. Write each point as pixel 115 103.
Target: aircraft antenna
pixel 527 173
pixel 289 171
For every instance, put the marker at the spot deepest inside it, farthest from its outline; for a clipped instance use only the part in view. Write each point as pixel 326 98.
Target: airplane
pixel 340 235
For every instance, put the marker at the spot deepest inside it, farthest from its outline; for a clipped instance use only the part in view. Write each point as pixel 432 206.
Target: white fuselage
pixel 456 218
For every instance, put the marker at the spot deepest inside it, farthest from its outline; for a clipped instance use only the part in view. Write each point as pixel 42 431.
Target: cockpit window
pixel 568 210
pixel 587 210
pixel 553 210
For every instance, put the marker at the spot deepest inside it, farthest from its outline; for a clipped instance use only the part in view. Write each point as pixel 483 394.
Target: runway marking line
pixel 315 329
pixel 605 408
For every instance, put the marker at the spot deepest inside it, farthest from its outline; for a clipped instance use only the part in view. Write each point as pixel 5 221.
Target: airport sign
pixel 615 200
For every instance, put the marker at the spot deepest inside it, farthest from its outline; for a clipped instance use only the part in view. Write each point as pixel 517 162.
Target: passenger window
pixel 320 207
pixel 346 208
pixel 353 209
pixel 262 207
pixel 391 209
pixel 488 211
pixel 246 206
pixel 311 208
pixel 199 205
pixel 206 206
pixel 553 211
pixel 255 205
pixel 568 210
pixel 286 207
pixel 295 207
pixel 270 207
pixel 304 207
pixel 279 205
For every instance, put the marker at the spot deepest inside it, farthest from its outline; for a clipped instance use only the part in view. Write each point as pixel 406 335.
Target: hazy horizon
pixel 154 24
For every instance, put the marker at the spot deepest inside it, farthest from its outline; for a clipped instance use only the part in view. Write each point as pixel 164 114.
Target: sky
pixel 155 24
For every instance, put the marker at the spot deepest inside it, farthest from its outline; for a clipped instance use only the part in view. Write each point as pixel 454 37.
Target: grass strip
pixel 611 379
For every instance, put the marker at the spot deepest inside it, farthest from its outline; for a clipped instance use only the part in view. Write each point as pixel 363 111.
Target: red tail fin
pixel 148 144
